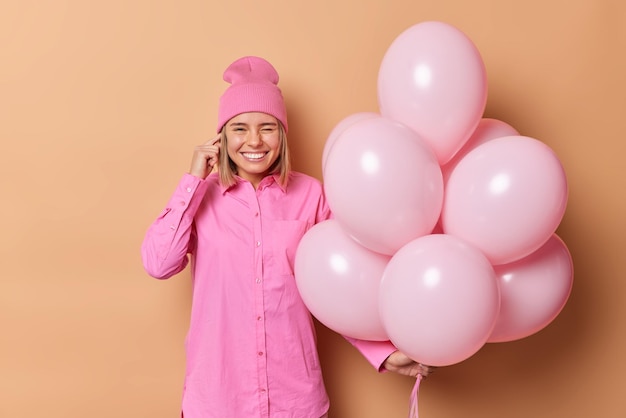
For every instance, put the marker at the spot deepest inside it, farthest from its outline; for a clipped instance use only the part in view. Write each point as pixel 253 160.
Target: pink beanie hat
pixel 254 88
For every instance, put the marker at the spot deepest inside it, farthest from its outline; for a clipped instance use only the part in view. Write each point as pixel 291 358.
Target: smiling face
pixel 253 144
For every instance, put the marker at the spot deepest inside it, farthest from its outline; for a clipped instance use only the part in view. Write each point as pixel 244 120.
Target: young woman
pixel 238 215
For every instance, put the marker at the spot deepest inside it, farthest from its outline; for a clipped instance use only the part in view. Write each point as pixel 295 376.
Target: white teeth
pixel 253 156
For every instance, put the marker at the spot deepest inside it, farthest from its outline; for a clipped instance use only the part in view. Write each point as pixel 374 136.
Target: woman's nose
pixel 254 138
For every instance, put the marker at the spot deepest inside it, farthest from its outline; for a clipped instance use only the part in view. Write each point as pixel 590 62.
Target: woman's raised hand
pixel 205 157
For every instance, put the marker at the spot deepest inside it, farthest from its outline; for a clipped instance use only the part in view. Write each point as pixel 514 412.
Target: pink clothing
pixel 251 345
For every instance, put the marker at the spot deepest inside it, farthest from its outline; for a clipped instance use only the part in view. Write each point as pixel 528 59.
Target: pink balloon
pixel 432 78
pixel 534 290
pixel 439 300
pixel 507 197
pixel 339 279
pixel 339 128
pixel 383 184
pixel 486 130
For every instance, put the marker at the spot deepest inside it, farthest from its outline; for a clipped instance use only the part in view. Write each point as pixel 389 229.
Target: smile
pixel 253 155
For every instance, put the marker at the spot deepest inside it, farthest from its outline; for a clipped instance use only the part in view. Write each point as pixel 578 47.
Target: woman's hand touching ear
pixel 205 157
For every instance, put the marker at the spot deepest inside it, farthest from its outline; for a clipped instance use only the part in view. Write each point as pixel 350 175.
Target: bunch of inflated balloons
pixel 443 236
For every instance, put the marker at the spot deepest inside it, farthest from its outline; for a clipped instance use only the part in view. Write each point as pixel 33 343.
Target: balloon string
pixel 413 401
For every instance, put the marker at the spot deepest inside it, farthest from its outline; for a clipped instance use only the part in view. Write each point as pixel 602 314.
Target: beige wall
pixel 101 103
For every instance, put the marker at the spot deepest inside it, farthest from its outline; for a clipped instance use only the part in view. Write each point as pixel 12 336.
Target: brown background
pixel 101 103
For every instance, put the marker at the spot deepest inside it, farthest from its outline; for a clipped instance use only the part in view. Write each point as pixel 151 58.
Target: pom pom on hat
pixel 254 88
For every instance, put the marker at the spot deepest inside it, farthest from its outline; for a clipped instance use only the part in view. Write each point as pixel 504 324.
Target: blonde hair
pixel 282 166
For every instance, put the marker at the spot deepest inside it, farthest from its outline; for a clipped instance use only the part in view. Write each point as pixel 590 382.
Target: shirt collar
pixel 268 181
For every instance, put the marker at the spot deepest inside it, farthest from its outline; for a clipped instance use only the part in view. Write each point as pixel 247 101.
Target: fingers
pixel 205 157
pixel 212 146
pixel 424 370
pixel 214 140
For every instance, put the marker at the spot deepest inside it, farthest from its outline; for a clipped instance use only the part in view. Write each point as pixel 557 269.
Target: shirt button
pixel 189 189
pixel 172 227
pixel 182 203
pixel 258 243
pixel 260 353
pixel 258 280
pixel 258 318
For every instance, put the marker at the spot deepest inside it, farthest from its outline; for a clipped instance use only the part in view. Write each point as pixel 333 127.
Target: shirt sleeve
pixel 376 352
pixel 170 237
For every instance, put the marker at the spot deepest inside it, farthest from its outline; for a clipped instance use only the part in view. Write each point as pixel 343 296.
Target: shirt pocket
pixel 285 237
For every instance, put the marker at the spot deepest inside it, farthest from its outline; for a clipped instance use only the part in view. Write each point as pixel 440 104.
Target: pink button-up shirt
pixel 251 345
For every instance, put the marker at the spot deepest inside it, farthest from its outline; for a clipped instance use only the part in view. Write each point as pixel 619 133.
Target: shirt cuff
pixel 376 352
